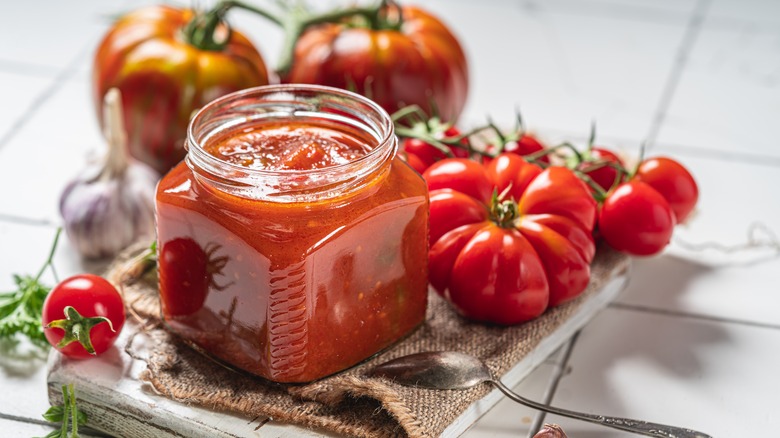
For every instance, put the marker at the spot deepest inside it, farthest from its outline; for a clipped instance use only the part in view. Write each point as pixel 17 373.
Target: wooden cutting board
pixel 119 404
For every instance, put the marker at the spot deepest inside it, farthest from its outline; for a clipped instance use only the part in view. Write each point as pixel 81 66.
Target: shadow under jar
pixel 292 241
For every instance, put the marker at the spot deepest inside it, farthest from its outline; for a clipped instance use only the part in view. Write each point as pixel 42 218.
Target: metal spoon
pixel 454 370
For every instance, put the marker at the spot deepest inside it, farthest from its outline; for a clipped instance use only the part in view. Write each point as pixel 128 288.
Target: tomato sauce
pixel 293 290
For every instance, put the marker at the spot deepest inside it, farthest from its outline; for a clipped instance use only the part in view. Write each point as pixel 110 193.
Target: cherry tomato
pixel 429 154
pixel 405 57
pixel 527 144
pixel 90 296
pixel 603 176
pixel 187 270
pixel 673 181
pixel 636 219
pixel 413 161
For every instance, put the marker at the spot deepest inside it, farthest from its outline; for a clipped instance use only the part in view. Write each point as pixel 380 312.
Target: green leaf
pixel 20 309
pixel 54 414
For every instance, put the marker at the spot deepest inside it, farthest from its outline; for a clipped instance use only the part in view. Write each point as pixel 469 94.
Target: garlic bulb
pixel 110 206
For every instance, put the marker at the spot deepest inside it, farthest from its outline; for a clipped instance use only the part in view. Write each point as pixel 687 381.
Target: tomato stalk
pixel 297 19
pixel 201 31
pixel 503 212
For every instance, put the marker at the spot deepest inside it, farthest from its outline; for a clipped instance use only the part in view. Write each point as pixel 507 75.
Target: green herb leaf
pixel 54 414
pixel 20 310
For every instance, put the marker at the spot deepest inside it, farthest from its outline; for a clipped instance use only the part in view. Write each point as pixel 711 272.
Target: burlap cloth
pixel 349 403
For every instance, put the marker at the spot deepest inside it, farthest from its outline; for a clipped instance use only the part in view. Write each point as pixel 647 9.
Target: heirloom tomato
pixel 83 315
pixel 673 181
pixel 394 56
pixel 636 219
pixel 505 258
pixel 167 63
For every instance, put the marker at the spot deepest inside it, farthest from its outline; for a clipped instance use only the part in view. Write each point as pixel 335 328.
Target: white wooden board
pixel 119 404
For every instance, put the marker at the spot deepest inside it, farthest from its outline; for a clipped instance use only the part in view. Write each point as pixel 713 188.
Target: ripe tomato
pixel 673 181
pixel 428 154
pixel 636 219
pixel 473 238
pixel 527 144
pixel 603 176
pixel 92 297
pixel 413 161
pixel 164 75
pixel 406 58
pixel 187 273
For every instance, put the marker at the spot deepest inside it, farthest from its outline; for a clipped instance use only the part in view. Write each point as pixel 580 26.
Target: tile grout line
pixel 691 33
pixel 21 220
pixel 56 84
pixel 24 419
pixel 552 387
pixel 695 316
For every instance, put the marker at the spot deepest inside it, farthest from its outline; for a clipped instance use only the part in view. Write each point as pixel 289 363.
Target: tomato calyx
pixel 215 265
pixel 503 212
pixel 77 328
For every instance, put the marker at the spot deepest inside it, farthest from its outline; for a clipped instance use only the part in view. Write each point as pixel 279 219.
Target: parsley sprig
pixel 21 309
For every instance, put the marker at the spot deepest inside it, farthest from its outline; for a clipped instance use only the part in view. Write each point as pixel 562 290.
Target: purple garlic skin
pixel 104 214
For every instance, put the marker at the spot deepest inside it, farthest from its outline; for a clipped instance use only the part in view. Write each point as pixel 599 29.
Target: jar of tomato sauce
pixel 292 241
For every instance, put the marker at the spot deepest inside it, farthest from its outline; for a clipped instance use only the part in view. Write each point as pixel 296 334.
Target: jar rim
pixel 386 131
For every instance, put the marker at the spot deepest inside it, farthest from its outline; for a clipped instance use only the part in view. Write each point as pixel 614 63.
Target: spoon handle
pixel 636 426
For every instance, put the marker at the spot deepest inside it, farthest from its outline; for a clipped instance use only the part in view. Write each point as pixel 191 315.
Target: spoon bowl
pixel 455 370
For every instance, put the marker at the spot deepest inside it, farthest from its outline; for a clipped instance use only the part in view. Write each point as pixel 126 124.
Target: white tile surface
pixel 18 94
pixel 703 375
pixel 29 430
pixel 564 70
pixel 739 285
pixel 50 33
pixel 728 97
pixel 54 145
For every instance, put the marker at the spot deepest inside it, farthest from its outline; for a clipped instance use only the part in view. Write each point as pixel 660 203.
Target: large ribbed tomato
pixel 167 66
pixel 395 59
pixel 506 260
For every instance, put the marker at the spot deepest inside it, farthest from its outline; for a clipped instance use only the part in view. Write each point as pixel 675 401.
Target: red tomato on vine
pixel 636 219
pixel 673 181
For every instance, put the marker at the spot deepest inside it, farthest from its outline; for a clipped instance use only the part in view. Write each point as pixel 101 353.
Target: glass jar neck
pixel 294 104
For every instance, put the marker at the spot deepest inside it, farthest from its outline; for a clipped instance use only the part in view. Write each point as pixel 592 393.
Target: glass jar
pixel 298 270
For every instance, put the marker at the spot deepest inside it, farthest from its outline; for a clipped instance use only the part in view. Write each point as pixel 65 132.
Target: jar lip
pixel 385 137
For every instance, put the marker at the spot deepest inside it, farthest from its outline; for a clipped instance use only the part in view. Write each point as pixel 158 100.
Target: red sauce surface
pixel 293 292
pixel 289 147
